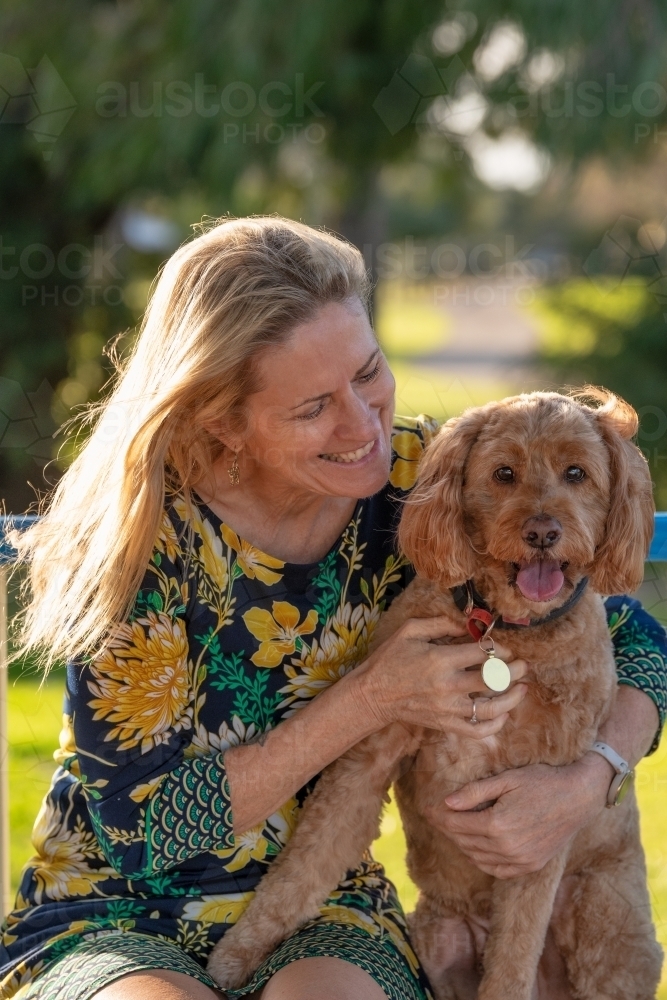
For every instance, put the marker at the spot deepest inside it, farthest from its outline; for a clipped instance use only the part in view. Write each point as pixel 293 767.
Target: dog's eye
pixel 504 474
pixel 574 474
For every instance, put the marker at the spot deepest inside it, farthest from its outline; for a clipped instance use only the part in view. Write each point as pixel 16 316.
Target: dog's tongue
pixel 540 580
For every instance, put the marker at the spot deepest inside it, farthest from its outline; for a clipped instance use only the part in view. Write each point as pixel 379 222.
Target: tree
pixel 198 107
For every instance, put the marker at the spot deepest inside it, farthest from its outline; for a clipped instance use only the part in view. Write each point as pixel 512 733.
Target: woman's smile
pixel 350 457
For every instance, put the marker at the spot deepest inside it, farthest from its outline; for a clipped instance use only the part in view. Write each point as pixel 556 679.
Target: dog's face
pixel 528 495
pixel 536 496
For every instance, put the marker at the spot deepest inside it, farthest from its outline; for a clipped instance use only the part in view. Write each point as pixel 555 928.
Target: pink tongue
pixel 540 580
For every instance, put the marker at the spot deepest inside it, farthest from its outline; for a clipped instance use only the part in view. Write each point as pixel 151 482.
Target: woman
pixel 207 567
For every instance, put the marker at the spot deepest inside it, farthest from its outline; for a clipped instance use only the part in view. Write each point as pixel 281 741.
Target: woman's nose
pixel 357 414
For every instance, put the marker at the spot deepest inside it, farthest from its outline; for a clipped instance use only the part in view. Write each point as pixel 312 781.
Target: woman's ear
pixel 225 431
pixel 431 532
pixel 618 567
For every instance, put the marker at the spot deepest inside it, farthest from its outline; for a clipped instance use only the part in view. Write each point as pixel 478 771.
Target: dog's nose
pixel 541 531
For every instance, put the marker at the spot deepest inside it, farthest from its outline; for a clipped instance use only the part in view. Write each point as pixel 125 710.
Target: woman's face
pixel 322 420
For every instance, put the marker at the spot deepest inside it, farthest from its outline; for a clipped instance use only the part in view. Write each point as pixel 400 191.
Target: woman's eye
pixel 574 474
pixel 504 474
pixel 371 375
pixel 312 414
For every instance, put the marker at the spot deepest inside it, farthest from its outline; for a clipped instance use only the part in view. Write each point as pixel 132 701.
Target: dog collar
pixel 480 616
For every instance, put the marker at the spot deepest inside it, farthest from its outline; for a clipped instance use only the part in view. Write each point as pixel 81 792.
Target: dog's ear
pixel 619 561
pixel 432 532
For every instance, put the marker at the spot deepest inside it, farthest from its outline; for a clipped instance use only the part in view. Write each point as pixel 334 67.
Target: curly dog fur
pixel 480 937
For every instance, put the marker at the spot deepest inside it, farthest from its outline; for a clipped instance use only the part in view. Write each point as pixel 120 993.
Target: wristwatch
pixel 624 778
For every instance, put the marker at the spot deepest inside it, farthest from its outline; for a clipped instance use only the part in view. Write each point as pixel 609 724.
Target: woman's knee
pixel 322 979
pixel 157 984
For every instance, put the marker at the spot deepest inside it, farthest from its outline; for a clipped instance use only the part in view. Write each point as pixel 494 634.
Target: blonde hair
pixel 222 298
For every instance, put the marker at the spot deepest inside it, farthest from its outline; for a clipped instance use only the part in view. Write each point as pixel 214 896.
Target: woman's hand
pixel 411 679
pixel 537 810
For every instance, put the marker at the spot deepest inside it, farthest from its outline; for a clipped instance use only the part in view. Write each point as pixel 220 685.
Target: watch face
pixel 624 787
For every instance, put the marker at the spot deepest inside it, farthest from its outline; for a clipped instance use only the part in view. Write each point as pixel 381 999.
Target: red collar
pixel 468 600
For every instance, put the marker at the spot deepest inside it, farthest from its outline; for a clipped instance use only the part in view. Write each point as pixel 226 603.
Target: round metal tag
pixel 496 674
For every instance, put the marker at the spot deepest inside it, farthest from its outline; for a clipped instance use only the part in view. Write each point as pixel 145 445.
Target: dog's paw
pixel 232 963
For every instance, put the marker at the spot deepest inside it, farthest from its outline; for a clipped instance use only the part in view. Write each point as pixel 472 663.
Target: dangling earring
pixel 233 471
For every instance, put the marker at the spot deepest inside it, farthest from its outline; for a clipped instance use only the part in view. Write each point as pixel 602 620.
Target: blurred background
pixel 502 165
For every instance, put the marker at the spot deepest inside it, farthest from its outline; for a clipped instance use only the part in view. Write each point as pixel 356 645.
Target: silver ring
pixel 473 720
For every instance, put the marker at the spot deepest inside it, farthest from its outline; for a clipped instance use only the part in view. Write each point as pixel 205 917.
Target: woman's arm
pixel 540 808
pixel 407 679
pixel 154 805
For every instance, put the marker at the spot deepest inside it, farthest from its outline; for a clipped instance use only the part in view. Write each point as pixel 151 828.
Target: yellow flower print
pixel 142 682
pixel 343 643
pixel 167 539
pixel 283 823
pixel 217 909
pixel 205 743
pixel 399 939
pixel 251 560
pixel 211 555
pixel 408 447
pixel 335 914
pixel 147 788
pixel 65 755
pixel 249 846
pixel 277 632
pixel 60 868
pixel 11 920
pixel 19 980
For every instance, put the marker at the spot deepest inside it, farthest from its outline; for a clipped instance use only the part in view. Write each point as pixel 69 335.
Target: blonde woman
pixel 212 567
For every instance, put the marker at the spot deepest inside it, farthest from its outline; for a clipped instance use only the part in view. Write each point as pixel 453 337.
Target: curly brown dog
pixel 524 499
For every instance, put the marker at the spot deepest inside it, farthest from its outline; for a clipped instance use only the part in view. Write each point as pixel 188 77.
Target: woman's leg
pixel 305 979
pixel 157 984
pixel 322 979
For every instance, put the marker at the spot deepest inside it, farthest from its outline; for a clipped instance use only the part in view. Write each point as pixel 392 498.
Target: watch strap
pixel 622 780
pixel 620 765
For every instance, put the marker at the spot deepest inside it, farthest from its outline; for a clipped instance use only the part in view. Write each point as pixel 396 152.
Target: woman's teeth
pixel 349 456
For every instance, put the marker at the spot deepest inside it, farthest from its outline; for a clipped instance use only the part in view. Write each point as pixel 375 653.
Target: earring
pixel 233 471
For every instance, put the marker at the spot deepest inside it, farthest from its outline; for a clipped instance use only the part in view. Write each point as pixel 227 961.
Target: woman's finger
pixel 472 795
pixel 481 729
pixel 491 708
pixel 431 628
pixel 502 651
pixel 486 709
pixel 518 669
pixel 481 856
pixel 470 681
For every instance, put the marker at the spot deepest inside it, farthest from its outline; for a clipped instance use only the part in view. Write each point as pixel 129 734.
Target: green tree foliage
pixel 199 107
pixel 614 333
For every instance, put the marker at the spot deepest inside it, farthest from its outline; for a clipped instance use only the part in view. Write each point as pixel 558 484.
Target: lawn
pixel 34 722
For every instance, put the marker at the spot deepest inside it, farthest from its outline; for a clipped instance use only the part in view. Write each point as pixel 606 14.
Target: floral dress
pixel 134 843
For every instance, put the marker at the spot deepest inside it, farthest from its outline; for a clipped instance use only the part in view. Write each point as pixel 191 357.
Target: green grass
pixel 407 320
pixel 420 389
pixel 574 318
pixel 34 723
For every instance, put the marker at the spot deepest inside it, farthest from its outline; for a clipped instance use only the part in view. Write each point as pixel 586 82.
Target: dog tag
pixel 496 674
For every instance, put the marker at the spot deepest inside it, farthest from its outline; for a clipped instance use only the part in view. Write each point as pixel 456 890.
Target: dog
pixel 532 506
